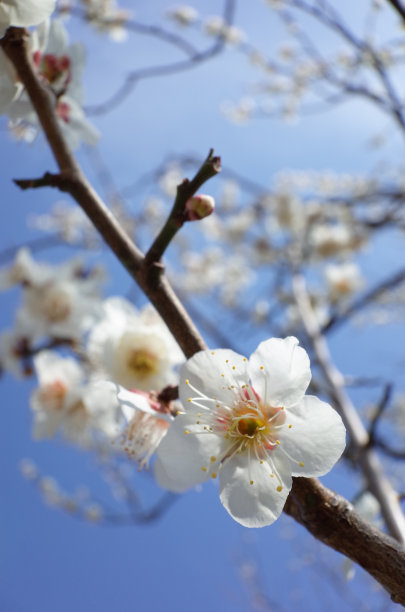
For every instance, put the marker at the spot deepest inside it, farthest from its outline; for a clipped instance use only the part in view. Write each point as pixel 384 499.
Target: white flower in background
pixel 70 222
pixel 183 15
pixel 65 403
pixel 293 318
pixel 59 382
pixel 217 26
pixel 60 67
pixel 64 308
pixel 332 240
pixel 249 423
pixel 105 16
pixel 23 271
pixel 343 280
pixel 146 423
pixel 134 349
pixel 24 13
pixel 290 212
pixel 171 179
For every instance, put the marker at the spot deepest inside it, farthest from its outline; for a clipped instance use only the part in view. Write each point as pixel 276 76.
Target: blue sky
pixel 191 559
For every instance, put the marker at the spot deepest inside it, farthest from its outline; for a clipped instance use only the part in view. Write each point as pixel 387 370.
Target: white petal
pixel 317 437
pixel 286 371
pixel 184 455
pixel 50 366
pixel 135 401
pixel 57 38
pixel 257 504
pixel 22 13
pixel 212 373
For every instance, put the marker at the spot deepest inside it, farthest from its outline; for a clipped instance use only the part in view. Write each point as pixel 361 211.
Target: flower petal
pixel 183 456
pixel 280 371
pixel 214 373
pixel 317 437
pixel 258 504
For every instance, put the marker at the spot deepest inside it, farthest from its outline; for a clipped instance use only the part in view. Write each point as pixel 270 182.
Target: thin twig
pixel 176 218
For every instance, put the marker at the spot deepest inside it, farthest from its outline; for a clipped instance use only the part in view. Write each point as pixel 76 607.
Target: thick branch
pixel 331 519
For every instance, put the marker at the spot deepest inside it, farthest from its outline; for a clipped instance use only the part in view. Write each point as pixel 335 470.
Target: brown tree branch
pixel 397 6
pixel 332 520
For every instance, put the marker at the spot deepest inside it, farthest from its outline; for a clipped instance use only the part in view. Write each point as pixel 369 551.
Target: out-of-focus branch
pixel 139 28
pixel 343 315
pixel 133 78
pixel 365 455
pixel 382 405
pixel 331 519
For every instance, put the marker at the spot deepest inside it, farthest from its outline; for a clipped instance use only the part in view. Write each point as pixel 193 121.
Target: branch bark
pixel 332 520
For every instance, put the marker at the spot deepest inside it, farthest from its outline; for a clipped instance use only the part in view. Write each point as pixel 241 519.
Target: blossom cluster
pixel 246 421
pixel 113 347
pixel 59 66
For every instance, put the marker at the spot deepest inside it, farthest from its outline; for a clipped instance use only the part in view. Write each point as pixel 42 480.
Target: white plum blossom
pixel 250 423
pixel 60 301
pixel 24 270
pixel 333 240
pixel 65 403
pixel 24 13
pixel 217 26
pixel 146 423
pixel 134 349
pixel 183 15
pixel 60 67
pixel 107 17
pixel 61 309
pixel 343 280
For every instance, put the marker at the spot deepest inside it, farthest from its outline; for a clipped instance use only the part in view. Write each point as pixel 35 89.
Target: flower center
pixel 55 70
pixel 142 362
pixel 52 396
pixel 248 426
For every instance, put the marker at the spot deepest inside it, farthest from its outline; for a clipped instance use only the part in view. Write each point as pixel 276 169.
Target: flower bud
pixel 199 206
